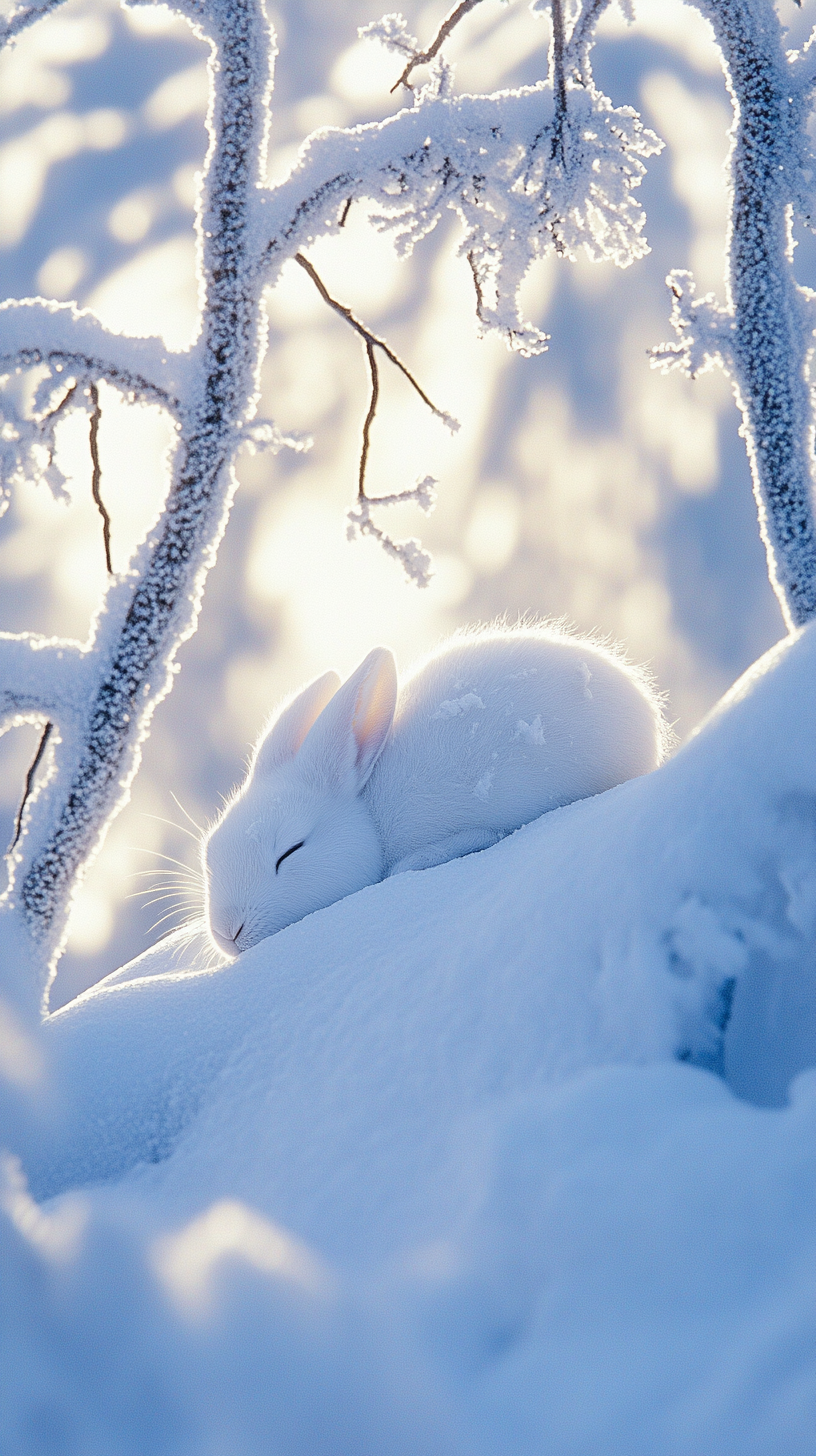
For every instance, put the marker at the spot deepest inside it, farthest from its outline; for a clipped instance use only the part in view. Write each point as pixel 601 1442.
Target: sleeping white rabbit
pixel 351 783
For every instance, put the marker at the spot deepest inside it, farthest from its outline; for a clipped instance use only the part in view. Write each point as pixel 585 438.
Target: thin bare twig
pixel 346 210
pixel 369 419
pixel 29 784
pixel 96 478
pixel 371 338
pixel 559 82
pixel 372 341
pixel 54 414
pixel 422 58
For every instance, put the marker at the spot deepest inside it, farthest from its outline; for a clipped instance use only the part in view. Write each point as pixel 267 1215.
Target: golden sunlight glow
pixel 155 293
pixel 25 161
pixel 696 128
pixel 61 272
pixel 32 74
pixel 187 1261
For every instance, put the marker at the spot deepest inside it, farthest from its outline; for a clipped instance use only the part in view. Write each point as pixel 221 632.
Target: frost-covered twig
pixel 415 561
pixel 705 330
pixel 581 38
pixel 481 157
pixel 96 476
pixel 399 40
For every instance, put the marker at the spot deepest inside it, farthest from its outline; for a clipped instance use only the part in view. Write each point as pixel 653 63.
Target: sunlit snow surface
pixel 440 1168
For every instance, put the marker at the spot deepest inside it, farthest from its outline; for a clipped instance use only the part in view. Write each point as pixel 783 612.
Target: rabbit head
pixel 298 836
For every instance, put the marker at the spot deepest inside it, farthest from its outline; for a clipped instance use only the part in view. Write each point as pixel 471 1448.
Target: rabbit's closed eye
pixel 287 853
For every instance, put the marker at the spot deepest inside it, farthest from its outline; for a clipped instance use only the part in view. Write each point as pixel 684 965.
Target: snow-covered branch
pixel 150 610
pixel 490 160
pixel 22 16
pixel 393 33
pixel 73 342
pixel 41 677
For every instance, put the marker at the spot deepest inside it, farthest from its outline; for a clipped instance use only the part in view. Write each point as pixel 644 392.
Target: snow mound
pixel 446 1166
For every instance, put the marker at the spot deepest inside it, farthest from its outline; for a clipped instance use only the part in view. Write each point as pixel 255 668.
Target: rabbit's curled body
pixel 494 729
pixel 352 783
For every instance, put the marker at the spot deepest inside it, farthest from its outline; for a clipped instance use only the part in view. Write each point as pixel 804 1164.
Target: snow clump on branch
pixel 523 179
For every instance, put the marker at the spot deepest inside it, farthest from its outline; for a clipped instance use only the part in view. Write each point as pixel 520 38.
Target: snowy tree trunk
pixel 165 602
pixel 151 610
pixel 772 319
pixel 764 336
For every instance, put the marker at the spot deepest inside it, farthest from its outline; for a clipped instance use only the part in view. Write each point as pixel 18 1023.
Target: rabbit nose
pixel 226 942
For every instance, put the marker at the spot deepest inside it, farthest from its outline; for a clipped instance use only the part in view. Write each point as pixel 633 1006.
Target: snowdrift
pixel 453 1164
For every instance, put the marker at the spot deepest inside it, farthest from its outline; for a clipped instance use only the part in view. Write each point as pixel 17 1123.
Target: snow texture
pixel 433 1166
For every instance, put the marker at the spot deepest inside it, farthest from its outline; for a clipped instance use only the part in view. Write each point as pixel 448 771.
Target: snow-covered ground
pixel 450 1165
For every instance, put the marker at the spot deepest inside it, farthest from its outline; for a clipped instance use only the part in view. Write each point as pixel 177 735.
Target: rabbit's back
pixel 495 728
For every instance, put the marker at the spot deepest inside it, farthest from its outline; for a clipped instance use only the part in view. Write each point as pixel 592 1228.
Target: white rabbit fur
pixel 359 782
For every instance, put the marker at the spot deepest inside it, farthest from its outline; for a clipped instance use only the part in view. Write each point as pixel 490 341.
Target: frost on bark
pixel 554 166
pixel 764 335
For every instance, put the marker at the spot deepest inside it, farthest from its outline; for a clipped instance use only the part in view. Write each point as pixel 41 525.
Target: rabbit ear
pixel 283 739
pixel 350 733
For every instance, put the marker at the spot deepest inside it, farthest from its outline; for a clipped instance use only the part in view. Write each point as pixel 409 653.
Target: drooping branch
pixel 373 340
pixel 415 561
pixel 371 412
pixel 73 342
pixel 154 609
